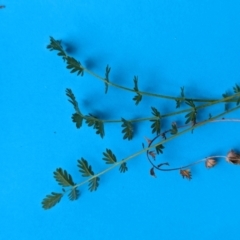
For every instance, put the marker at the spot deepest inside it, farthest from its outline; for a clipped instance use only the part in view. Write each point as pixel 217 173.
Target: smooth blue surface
pixel 168 44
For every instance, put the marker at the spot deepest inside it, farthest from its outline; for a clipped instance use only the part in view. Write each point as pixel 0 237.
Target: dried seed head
pixel 233 157
pixel 210 162
pixel 186 173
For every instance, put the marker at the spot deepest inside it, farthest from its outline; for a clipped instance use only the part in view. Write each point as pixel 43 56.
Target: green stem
pixel 144 93
pixel 56 45
pixel 157 144
pixel 168 114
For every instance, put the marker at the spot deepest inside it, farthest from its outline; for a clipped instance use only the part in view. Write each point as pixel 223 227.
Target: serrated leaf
pixel 156 125
pixel 137 98
pixel 63 178
pixel 74 194
pixel 127 129
pixel 56 45
pixel 77 118
pixel 159 148
pixel 93 184
pixel 96 123
pixel 72 99
pixel 123 167
pixel 84 168
pixel 108 69
pixel 51 200
pixel 109 157
pixel 74 65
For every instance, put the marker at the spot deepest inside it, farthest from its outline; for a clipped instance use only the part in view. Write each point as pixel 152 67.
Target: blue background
pixel 167 44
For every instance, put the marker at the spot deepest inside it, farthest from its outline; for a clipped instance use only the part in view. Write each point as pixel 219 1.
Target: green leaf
pixel 96 123
pixel 63 178
pixel 159 148
pixel 77 118
pixel 226 105
pixel 127 129
pixel 84 168
pixel 123 167
pixel 179 101
pixel 174 129
pixel 109 157
pixel 56 45
pixel 108 69
pixel 93 184
pixel 191 116
pixel 74 194
pixel 190 103
pixel 236 89
pixel 156 126
pixel 51 200
pixel 135 80
pixel 74 65
pixel 137 98
pixel 72 99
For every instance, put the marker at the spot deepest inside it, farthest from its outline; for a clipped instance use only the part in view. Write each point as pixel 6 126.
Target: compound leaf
pixel 63 178
pixel 72 99
pixel 137 98
pixel 123 167
pixel 109 157
pixel 236 89
pixel 226 105
pixel 51 200
pixel 191 117
pixel 77 118
pixel 159 148
pixel 127 129
pixel 93 184
pixel 84 168
pixel 96 123
pixel 74 194
pixel 74 65
pixel 108 69
pixel 56 45
pixel 156 125
pixel 180 100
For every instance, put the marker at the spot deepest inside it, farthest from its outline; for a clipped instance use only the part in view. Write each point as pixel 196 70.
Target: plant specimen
pixel 154 146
